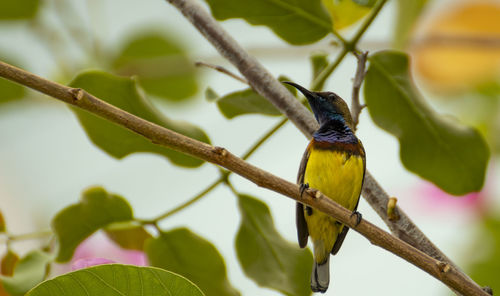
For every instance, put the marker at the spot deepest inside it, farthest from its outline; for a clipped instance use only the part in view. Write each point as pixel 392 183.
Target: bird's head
pixel 326 105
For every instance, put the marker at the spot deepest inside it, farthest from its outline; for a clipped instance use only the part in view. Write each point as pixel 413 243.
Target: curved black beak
pixel 307 93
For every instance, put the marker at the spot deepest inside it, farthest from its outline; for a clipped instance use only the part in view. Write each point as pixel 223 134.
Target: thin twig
pixel 28 236
pixel 222 70
pixel 356 106
pixel 442 271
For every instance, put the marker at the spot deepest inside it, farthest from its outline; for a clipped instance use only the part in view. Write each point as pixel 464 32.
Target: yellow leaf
pixel 344 12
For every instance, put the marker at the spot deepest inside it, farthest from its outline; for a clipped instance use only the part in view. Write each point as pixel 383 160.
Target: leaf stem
pixel 27 236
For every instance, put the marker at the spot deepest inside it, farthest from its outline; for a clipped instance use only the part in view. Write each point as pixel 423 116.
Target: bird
pixel 334 163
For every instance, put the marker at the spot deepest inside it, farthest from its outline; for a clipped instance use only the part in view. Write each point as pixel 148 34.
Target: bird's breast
pixel 336 173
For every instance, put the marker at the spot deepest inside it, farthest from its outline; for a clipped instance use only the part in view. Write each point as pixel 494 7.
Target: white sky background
pixel 46 159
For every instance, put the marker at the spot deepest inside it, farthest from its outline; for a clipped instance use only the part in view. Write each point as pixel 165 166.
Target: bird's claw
pixel 303 188
pixel 358 217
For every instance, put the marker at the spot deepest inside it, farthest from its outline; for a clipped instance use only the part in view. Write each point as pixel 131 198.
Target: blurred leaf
pixel 18 9
pixel 247 101
pixel 459 48
pixel 319 62
pixel 486 254
pixel 161 65
pixel 265 256
pixel 436 147
pixel 345 12
pixel 211 95
pixel 28 272
pixel 117 279
pixel 2 223
pixel 407 15
pixel 96 210
pixel 128 235
pixel 297 22
pixel 118 141
pixel 190 255
pixel 10 91
pixel 9 261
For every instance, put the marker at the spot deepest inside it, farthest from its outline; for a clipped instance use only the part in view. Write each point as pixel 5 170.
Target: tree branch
pixel 442 271
pixel 356 106
pixel 267 86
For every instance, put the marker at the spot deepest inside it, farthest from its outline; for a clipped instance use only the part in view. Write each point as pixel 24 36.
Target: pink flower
pixel 88 262
pixel 99 249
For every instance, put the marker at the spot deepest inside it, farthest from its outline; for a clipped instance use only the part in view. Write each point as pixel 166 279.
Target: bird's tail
pixel 320 277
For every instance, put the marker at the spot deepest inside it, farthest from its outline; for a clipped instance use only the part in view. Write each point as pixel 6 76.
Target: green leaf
pixel 117 279
pixel 161 65
pixel 128 235
pixel 247 101
pixel 436 147
pixel 265 256
pixel 297 22
pixel 118 141
pixel 10 91
pixel 28 272
pixel 9 261
pixel 211 95
pixel 18 9
pixel 346 12
pixel 96 210
pixel 485 253
pixel 407 14
pixel 319 62
pixel 190 255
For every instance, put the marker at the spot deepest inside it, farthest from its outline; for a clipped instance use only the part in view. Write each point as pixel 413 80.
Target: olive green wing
pixel 300 221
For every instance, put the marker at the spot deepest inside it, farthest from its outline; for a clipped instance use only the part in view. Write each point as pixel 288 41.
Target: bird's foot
pixel 303 188
pixel 358 217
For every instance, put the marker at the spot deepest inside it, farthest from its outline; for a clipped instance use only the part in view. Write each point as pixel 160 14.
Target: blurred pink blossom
pixel 88 262
pixel 99 249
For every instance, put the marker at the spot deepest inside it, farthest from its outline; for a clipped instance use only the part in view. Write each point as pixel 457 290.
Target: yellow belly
pixel 339 177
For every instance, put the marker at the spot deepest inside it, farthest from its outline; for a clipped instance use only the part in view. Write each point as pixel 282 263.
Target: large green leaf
pixel 265 256
pixel 190 255
pixel 407 14
pixel 118 141
pixel 436 147
pixel 28 272
pixel 128 235
pixel 18 9
pixel 96 210
pixel 246 101
pixel 161 65
pixel 119 280
pixel 297 22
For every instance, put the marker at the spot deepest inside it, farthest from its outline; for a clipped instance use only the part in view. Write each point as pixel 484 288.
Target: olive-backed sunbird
pixel 333 163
